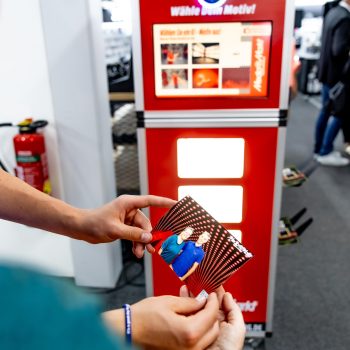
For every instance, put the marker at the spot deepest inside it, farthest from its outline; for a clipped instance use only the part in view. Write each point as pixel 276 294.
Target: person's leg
pixel 346 133
pixel 322 120
pixel 327 156
pixel 330 134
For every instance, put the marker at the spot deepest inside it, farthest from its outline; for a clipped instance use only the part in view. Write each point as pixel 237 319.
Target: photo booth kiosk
pixel 212 87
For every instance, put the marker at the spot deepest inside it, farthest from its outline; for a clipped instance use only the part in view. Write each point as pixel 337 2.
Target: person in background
pixel 335 50
pixel 346 133
pixel 39 312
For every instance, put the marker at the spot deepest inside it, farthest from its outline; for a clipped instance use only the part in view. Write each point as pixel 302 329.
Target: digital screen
pixel 212 59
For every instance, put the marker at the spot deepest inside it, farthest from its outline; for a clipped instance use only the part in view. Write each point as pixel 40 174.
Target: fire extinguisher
pixel 31 156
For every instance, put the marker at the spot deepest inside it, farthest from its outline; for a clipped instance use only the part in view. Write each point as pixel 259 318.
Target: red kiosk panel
pixel 192 53
pixel 250 285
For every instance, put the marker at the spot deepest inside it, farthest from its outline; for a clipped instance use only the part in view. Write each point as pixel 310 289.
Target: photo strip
pixel 199 250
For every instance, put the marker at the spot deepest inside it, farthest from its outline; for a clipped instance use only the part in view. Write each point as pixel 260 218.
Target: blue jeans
pixel 327 126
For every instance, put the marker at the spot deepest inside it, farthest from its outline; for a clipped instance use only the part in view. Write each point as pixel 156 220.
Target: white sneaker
pixel 333 159
pixel 335 153
pixel 347 149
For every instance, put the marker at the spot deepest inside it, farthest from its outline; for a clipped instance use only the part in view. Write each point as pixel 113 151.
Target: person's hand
pixel 232 326
pixel 122 219
pixel 169 322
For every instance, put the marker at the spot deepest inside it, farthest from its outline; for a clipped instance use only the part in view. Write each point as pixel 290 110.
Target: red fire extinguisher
pixel 31 156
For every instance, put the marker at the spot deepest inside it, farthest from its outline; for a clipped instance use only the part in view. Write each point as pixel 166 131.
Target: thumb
pixel 132 233
pixel 187 306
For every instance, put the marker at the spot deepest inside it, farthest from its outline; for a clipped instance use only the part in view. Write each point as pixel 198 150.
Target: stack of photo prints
pixel 200 251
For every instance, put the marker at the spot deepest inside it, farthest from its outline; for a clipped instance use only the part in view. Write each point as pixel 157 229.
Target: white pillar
pixel 75 58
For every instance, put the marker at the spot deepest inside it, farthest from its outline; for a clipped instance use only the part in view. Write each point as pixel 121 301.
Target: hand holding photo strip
pixel 200 251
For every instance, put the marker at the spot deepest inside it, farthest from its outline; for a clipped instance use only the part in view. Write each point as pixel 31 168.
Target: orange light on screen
pixel 205 78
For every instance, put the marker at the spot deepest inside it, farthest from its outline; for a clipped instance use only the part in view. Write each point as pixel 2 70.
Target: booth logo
pixel 211 3
pixel 248 306
pixel 212 8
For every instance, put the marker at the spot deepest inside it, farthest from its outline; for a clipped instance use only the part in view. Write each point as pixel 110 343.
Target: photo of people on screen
pixel 174 53
pixel 174 244
pixel 190 257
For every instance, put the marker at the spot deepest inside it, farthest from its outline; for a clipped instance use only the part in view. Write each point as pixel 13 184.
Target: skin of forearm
pixel 24 204
pixel 115 320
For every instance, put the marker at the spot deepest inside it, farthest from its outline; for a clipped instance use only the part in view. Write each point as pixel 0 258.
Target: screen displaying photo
pixel 220 59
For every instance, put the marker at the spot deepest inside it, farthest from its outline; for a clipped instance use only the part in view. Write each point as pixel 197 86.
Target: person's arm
pixel 169 322
pixel 190 271
pixel 118 219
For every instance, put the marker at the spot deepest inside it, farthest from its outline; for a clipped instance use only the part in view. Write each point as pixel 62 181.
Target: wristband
pixel 127 312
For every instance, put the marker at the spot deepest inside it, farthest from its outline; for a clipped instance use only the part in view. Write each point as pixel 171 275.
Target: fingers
pixel 205 318
pixel 150 248
pixel 187 306
pixel 202 327
pixel 132 233
pixel 234 314
pixel 184 293
pixel 148 201
pixel 209 337
pixel 138 249
pixel 220 292
pixel 141 220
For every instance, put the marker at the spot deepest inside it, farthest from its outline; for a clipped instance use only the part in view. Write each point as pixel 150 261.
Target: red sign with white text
pixel 219 57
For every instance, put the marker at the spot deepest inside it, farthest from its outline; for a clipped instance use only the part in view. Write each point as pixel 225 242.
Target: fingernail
pixel 146 237
pixel 203 295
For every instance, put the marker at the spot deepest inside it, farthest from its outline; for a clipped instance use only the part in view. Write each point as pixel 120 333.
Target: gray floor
pixel 312 304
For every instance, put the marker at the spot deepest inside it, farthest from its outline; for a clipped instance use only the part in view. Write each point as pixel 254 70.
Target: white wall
pixel 52 67
pixel 25 91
